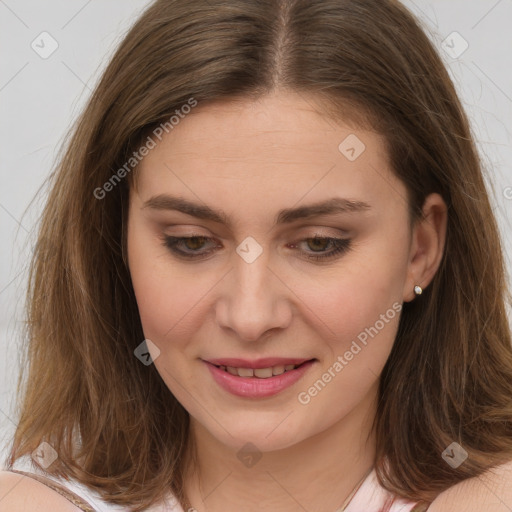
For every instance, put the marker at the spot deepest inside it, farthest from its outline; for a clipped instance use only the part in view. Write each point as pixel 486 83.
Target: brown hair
pixel 449 375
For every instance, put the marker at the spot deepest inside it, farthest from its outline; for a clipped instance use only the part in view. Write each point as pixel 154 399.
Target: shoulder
pixel 19 493
pixel 490 492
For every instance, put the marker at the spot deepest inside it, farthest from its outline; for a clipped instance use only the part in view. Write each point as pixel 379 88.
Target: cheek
pixel 358 329
pixel 172 297
pixel 160 289
pixel 166 304
pixel 349 302
pixel 362 330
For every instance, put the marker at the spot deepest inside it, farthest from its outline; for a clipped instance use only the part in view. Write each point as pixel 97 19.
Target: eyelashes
pixel 187 247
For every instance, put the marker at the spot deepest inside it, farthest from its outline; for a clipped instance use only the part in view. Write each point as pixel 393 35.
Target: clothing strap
pixel 421 507
pixel 349 498
pixel 63 491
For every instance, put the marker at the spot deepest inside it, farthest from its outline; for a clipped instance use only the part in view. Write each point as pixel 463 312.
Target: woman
pixel 269 276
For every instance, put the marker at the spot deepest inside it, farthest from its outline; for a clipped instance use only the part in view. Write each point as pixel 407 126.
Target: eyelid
pixel 303 231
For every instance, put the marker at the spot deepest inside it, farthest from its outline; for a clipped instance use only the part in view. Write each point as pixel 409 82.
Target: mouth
pixel 258 379
pixel 260 373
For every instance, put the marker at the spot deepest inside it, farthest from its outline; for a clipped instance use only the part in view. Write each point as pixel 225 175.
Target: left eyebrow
pixel 332 206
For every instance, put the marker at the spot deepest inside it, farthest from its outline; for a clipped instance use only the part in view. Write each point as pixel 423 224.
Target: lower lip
pixel 253 387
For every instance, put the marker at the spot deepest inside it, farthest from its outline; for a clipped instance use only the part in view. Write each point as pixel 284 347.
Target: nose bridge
pixel 252 304
pixel 252 279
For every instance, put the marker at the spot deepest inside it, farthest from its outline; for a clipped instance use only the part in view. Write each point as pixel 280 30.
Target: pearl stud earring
pixel 418 290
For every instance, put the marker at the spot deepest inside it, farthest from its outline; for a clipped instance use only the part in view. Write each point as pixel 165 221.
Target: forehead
pixel 276 149
pixel 278 122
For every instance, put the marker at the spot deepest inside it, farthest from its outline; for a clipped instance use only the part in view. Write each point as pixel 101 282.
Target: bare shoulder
pixel 19 493
pixel 490 492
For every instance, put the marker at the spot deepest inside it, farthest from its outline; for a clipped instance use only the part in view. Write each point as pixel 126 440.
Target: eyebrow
pixel 332 206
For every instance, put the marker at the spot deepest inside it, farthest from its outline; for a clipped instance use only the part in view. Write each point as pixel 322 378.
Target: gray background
pixel 40 99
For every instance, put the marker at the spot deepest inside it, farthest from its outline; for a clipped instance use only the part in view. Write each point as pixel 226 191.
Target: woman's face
pixel 264 179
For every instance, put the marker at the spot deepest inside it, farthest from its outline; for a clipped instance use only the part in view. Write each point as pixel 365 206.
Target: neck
pixel 316 474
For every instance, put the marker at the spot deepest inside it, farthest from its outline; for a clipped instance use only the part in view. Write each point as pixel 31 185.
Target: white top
pixel 370 496
pixel 89 495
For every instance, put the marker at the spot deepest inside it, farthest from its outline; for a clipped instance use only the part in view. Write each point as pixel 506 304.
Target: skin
pixel 19 493
pixel 489 492
pixel 250 160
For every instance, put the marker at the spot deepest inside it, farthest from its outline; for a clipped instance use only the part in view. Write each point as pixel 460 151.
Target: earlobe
pixel 427 247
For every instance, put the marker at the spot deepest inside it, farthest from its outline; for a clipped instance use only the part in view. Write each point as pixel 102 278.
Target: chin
pixel 266 435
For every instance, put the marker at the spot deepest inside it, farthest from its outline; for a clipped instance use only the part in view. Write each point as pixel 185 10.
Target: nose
pixel 254 300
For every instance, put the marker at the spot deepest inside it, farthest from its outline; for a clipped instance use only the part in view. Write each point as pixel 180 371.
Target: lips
pixel 252 379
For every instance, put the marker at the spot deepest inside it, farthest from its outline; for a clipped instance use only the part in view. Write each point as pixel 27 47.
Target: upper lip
pixel 265 362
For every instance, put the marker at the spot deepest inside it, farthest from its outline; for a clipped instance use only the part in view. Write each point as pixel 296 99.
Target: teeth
pixel 245 372
pixel 277 370
pixel 261 373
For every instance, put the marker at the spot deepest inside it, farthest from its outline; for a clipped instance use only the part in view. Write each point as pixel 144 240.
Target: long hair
pixel 112 421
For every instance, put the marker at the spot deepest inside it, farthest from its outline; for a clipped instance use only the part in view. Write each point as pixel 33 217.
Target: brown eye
pixel 320 244
pixel 194 243
pixel 191 245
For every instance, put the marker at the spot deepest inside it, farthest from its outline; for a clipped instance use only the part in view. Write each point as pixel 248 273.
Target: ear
pixel 427 245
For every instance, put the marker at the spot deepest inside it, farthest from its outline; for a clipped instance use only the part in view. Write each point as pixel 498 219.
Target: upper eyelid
pixel 304 231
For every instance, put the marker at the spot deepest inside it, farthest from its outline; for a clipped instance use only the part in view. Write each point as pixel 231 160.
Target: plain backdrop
pixel 41 96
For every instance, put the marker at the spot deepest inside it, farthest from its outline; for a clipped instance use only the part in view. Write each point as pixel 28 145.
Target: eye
pixel 338 247
pixel 191 243
pixel 192 247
